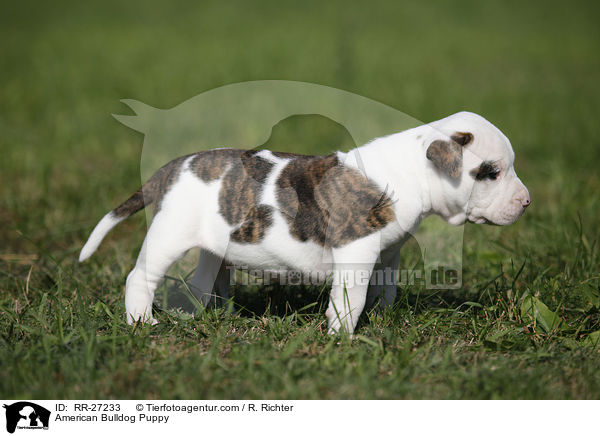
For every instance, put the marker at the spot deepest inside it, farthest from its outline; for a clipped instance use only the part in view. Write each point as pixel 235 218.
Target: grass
pixel 523 324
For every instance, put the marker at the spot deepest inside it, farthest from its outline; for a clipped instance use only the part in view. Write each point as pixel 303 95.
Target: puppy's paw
pixel 143 319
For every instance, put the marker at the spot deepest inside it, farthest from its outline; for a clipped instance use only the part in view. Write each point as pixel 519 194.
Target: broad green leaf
pixel 592 340
pixel 532 307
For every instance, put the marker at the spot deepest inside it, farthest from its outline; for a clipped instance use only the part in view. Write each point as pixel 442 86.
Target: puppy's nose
pixel 524 200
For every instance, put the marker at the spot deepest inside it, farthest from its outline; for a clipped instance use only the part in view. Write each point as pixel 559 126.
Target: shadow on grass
pixel 280 300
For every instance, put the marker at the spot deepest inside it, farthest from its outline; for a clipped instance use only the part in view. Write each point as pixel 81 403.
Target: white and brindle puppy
pixel 345 213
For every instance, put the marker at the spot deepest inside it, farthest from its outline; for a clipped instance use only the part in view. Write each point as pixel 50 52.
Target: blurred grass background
pixel 532 68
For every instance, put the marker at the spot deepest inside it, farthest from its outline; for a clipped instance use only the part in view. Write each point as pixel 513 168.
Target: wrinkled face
pixel 477 172
pixel 498 196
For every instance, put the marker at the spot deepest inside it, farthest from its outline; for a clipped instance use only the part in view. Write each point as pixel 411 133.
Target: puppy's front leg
pixel 353 265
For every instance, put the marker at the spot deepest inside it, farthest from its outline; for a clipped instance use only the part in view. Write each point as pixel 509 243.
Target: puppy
pixel 340 215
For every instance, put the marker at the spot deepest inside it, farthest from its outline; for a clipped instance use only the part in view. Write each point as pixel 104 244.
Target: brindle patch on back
pixel 210 165
pixel 253 228
pixel 239 195
pixel 329 203
pixel 287 155
pixel 207 165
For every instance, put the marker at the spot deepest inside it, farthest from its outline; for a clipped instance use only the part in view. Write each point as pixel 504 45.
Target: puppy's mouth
pixel 500 221
pixel 478 220
pixel 482 220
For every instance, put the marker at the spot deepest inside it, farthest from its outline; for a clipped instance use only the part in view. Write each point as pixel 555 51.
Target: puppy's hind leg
pixel 210 284
pixel 383 285
pixel 167 240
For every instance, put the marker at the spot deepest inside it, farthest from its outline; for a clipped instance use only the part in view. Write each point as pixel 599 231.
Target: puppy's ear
pixel 462 138
pixel 447 156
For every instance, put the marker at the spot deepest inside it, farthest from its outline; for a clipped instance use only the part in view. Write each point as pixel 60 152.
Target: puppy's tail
pixel 132 205
pixel 150 192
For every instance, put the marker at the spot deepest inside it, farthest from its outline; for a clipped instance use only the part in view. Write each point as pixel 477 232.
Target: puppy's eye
pixel 487 170
pixel 493 175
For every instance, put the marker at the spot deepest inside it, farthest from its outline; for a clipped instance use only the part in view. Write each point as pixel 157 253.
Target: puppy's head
pixel 473 162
